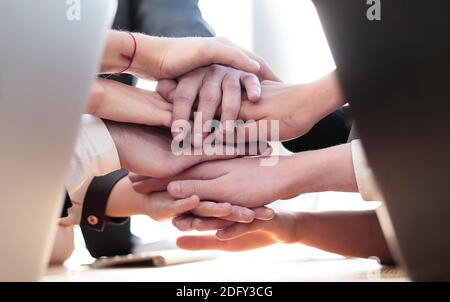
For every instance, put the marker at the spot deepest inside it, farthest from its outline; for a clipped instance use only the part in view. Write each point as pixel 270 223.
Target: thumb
pixel 166 88
pixel 204 189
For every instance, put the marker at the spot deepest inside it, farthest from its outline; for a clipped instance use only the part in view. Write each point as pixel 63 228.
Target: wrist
pixel 123 201
pixel 327 96
pixel 121 48
pixel 329 169
pixel 149 56
pixel 302 226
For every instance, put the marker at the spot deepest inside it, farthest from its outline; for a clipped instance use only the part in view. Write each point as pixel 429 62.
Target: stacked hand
pixel 133 116
pixel 220 80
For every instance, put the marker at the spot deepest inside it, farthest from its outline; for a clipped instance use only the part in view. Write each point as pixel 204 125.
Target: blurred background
pixel 288 34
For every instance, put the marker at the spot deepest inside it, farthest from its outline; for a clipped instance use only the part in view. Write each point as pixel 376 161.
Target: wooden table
pixel 276 263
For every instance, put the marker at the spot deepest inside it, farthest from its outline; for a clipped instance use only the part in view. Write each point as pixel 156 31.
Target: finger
pixel 265 72
pixel 239 229
pixel 210 97
pixel 183 223
pixel 264 213
pixel 210 224
pixel 212 209
pixel 165 209
pixel 162 118
pixel 136 177
pixel 195 243
pixel 149 185
pixel 247 242
pixel 240 214
pixel 231 103
pixel 252 86
pixel 184 98
pixel 166 88
pixel 205 189
pixel 226 53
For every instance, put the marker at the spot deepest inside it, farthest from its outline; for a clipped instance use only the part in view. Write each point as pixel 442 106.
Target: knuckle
pixel 182 97
pixel 209 94
pixel 250 77
pixel 231 82
pixel 230 109
pixel 215 68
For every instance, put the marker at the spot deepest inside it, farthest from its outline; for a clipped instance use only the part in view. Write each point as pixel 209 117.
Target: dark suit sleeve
pixel 169 18
pixel 332 130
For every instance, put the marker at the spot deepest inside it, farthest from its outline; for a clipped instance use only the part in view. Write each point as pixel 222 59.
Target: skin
pixel 147 151
pixel 244 182
pixel 160 206
pixel 168 58
pixel 353 234
pixel 118 102
pixel 63 246
pixel 297 108
pixel 214 87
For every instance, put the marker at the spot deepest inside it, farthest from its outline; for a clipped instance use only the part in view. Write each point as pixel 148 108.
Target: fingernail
pixel 247 215
pixel 254 64
pixel 221 234
pixel 255 95
pixel 197 223
pixel 175 187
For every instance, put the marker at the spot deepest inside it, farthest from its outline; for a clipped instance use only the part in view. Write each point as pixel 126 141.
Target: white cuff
pixel 367 184
pixel 95 154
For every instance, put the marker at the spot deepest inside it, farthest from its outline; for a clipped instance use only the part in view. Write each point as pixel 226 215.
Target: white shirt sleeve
pixel 367 184
pixel 95 154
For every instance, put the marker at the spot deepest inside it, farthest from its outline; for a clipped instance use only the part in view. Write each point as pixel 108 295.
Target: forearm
pixel 329 169
pixel 354 234
pixel 123 191
pixel 328 96
pixel 120 44
pixel 63 246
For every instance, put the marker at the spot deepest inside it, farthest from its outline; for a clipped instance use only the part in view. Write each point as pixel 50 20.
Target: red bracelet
pixel 130 59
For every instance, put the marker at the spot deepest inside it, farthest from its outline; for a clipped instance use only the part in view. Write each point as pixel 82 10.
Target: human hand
pixel 245 182
pixel 241 181
pixel 283 227
pixel 297 108
pixel 214 86
pixel 124 202
pixel 160 206
pixel 147 151
pixel 118 102
pixel 168 58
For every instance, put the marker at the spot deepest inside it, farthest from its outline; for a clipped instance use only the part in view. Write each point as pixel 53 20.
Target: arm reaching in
pixel 245 182
pixel 167 58
pixel 354 234
pixel 118 102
